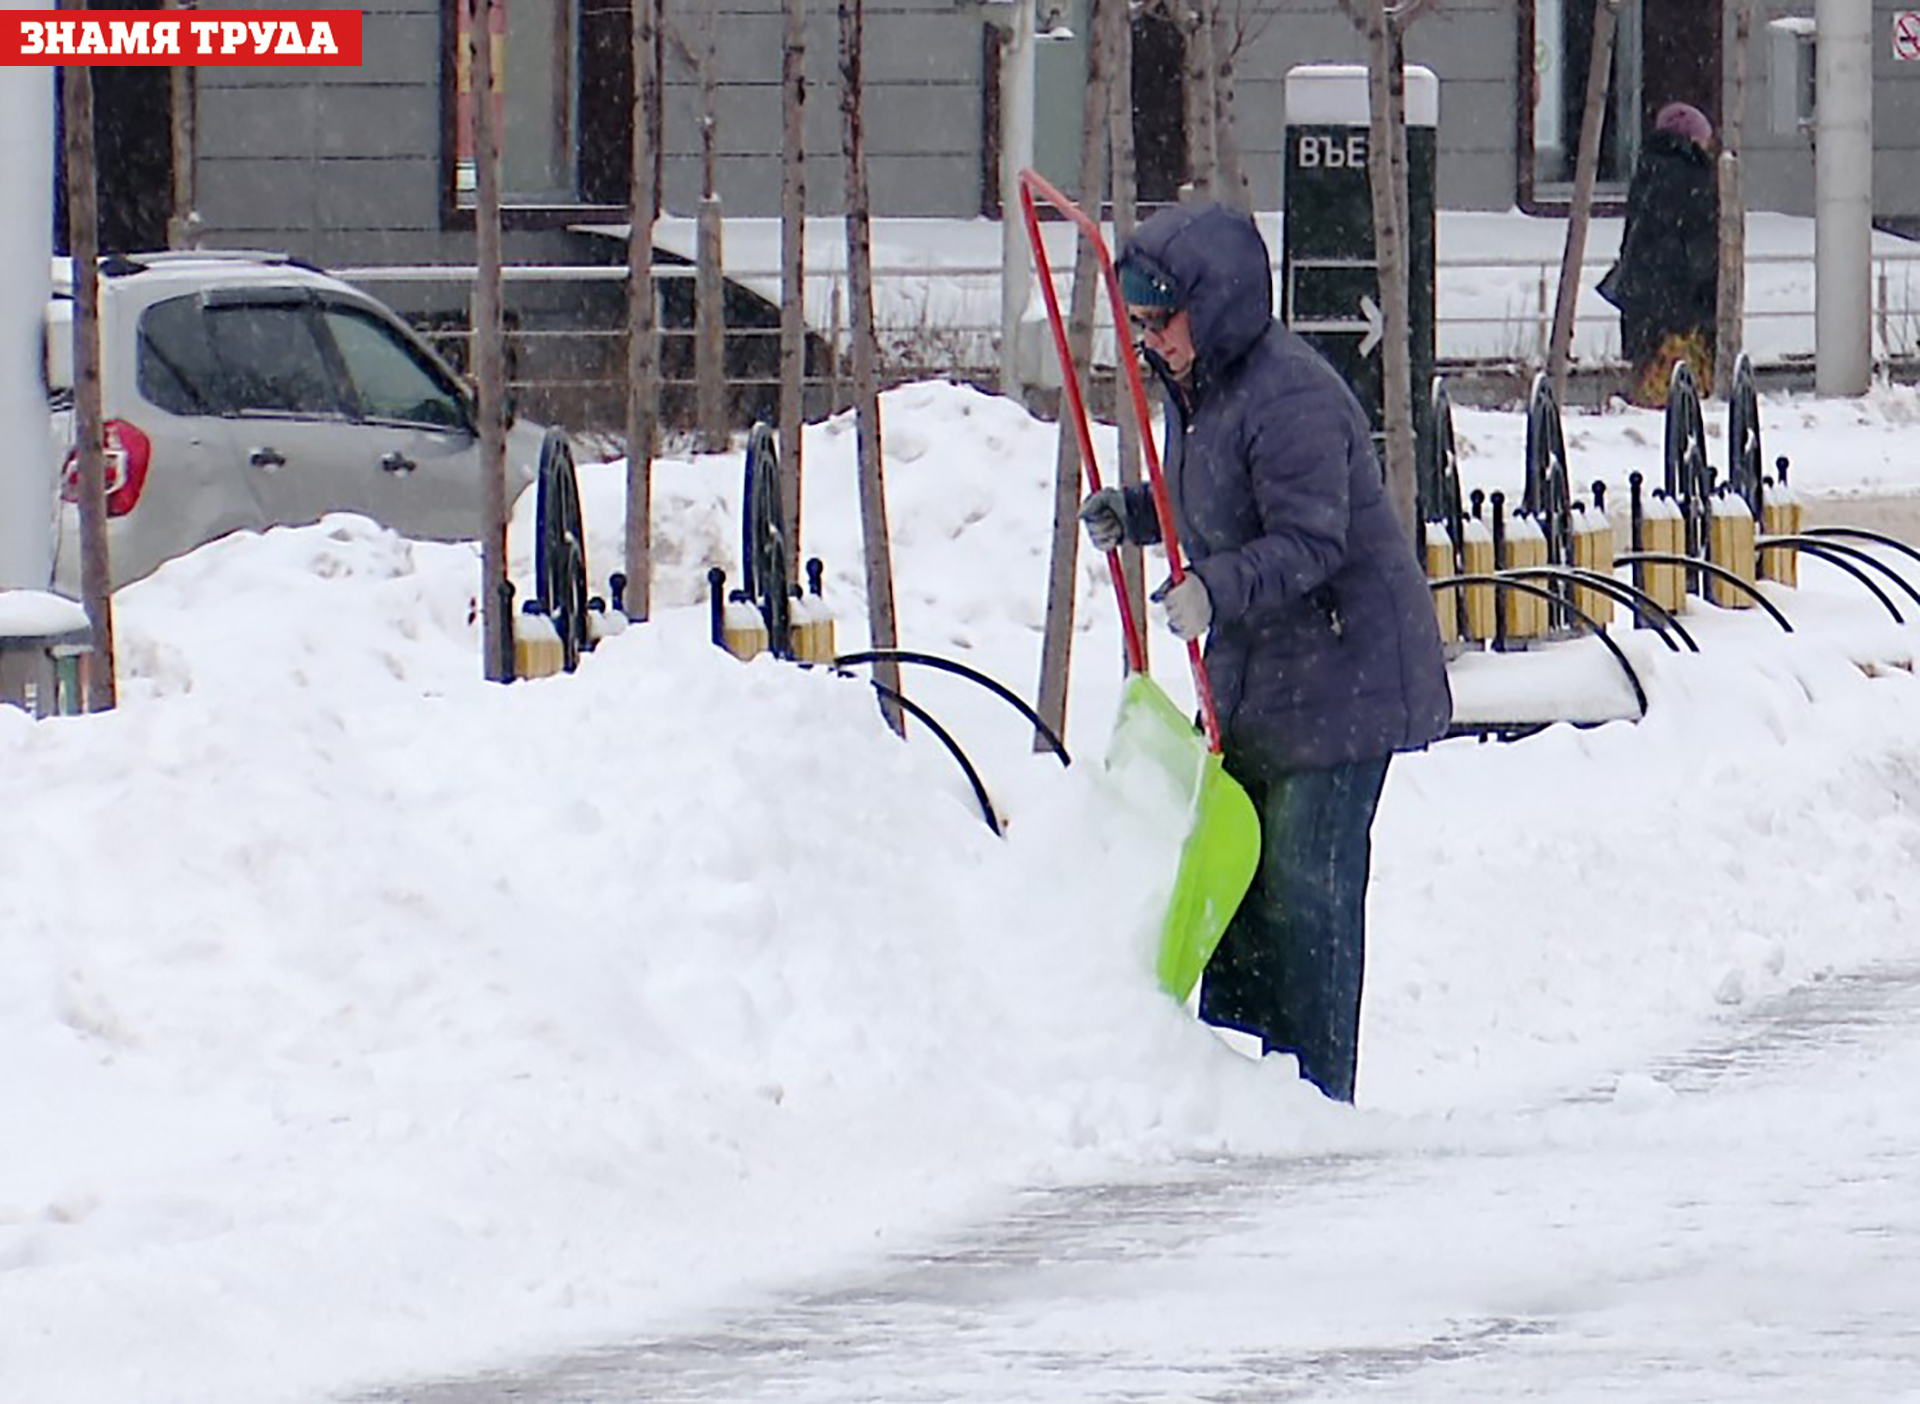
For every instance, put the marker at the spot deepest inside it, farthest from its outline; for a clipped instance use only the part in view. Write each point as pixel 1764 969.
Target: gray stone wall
pixel 337 165
pixel 923 111
pixel 346 166
pixel 1779 168
pixel 1470 44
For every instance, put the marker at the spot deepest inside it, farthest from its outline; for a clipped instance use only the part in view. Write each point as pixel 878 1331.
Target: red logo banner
pixel 151 38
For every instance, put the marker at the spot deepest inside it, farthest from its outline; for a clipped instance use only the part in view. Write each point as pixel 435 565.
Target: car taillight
pixel 129 452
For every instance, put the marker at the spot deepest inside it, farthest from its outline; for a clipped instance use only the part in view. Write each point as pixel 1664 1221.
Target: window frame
pixel 602 96
pixel 1555 198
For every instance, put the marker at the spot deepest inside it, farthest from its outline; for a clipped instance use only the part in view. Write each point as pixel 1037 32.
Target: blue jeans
pixel 1290 966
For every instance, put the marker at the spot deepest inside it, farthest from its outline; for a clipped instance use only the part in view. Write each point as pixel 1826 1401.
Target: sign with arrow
pixel 1329 276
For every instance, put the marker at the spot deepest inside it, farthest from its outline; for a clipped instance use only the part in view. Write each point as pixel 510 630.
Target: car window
pixel 270 359
pixel 391 378
pixel 174 361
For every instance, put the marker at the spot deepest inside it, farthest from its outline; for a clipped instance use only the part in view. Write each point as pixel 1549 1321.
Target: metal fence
pixel 1494 309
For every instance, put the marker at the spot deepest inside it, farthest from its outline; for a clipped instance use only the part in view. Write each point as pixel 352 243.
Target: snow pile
pixel 366 1019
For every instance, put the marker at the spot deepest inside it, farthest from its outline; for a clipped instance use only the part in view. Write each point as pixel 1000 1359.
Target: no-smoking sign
pixel 1906 36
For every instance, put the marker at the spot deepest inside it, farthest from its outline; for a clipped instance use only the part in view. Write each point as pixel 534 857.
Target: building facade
pixel 368 165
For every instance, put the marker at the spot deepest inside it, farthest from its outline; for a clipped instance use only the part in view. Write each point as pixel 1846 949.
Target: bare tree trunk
pixel 706 66
pixel 89 427
pixel 710 320
pixel 183 228
pixel 710 328
pixel 643 365
pixel 878 555
pixel 1586 169
pixel 657 103
pixel 836 301
pixel 1231 186
pixel 793 263
pixel 1387 94
pixel 1730 315
pixel 1056 648
pixel 1201 159
pixel 1125 200
pixel 1397 126
pixel 489 353
pixel 1402 441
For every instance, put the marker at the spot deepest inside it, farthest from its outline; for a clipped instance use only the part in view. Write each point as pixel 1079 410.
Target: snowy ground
pixel 1648 1239
pixel 367 1022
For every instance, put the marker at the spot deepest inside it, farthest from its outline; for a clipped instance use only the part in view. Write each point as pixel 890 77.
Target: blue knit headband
pixel 1141 288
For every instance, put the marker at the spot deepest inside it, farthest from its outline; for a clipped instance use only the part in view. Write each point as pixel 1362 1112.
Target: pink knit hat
pixel 1683 119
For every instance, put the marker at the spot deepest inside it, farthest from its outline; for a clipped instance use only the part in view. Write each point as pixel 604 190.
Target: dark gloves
pixel 1189 606
pixel 1104 514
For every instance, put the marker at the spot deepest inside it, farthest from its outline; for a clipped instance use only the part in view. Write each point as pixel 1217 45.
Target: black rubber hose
pixel 958 669
pixel 1835 555
pixel 1829 542
pixel 1722 574
pixel 1644 606
pixel 1541 592
pixel 920 714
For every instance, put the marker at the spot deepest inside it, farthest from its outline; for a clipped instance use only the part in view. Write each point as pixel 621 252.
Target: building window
pixel 1556 50
pixel 1159 103
pixel 560 103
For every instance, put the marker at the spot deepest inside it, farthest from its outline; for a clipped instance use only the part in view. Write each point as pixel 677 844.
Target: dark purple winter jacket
pixel 1324 646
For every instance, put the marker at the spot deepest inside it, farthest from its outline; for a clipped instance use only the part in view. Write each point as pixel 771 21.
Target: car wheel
pixel 560 546
pixel 763 551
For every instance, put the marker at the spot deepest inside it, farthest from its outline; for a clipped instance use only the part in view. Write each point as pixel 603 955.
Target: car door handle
pixel 397 462
pixel 267 459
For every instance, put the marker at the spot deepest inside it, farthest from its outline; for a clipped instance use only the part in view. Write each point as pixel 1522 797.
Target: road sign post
pixel 1329 273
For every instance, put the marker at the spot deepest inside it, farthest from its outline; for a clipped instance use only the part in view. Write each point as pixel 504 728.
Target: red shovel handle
pixel 1032 184
pixel 1077 406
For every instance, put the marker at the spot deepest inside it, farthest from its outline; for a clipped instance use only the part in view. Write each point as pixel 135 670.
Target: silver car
pixel 243 391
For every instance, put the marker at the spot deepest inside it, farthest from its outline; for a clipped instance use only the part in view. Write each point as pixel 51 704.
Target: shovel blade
pixel 1157 751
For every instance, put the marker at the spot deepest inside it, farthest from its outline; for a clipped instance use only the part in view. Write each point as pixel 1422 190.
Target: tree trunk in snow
pixel 1198 29
pixel 1056 649
pixel 1230 183
pixel 1731 312
pixel 710 329
pixel 710 304
pixel 793 263
pixel 878 554
pixel 89 429
pixel 1387 177
pixel 643 363
pixel 1586 168
pixel 183 228
pixel 489 352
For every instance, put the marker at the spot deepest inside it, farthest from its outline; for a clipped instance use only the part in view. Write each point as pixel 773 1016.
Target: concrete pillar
pixel 28 509
pixel 1843 197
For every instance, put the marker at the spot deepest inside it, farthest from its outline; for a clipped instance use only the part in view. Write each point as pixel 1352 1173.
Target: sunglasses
pixel 1150 321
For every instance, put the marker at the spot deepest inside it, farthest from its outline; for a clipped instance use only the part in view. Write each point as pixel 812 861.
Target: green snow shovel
pixel 1222 846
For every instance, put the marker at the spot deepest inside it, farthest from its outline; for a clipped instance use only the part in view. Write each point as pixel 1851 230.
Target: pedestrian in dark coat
pixel 1322 642
pixel 1666 283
